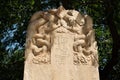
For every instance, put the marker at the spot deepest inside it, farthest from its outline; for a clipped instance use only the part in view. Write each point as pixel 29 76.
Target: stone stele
pixel 60 45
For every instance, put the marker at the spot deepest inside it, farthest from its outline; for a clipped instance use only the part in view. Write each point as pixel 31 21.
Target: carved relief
pixel 43 25
pixel 85 46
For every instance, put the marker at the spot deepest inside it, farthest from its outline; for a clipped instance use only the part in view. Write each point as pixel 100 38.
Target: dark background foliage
pixel 14 19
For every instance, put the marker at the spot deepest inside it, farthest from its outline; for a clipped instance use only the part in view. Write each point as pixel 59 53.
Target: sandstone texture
pixel 60 45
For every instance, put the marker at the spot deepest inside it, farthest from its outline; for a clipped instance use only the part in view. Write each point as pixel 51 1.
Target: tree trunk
pixel 109 14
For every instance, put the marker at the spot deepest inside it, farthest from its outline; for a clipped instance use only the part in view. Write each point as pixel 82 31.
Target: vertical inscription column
pixel 62 56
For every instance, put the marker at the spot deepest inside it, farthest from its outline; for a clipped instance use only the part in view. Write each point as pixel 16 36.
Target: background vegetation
pixel 14 18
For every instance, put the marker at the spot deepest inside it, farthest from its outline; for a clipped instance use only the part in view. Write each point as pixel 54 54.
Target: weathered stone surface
pixel 60 45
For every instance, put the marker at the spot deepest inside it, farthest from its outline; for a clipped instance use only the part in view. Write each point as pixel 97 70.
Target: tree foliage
pixel 14 19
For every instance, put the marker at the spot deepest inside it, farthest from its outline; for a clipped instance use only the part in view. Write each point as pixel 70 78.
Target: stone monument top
pixel 60 45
